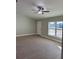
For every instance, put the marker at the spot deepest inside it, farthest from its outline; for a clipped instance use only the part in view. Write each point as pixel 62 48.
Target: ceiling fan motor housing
pixel 40 8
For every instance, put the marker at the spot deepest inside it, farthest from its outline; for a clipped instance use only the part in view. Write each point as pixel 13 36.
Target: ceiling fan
pixel 41 10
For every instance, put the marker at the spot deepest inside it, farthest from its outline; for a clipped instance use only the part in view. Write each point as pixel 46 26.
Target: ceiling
pixel 25 7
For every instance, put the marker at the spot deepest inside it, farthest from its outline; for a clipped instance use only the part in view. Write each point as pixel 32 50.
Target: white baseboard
pixel 25 34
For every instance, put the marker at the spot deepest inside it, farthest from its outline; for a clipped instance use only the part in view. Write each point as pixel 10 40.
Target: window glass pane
pixel 51 25
pixel 59 33
pixel 51 28
pixel 51 32
pixel 59 27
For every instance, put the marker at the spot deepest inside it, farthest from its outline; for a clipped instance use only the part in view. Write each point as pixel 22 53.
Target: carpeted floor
pixel 36 47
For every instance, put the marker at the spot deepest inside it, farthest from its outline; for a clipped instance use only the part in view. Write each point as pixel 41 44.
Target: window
pixel 55 28
pixel 51 27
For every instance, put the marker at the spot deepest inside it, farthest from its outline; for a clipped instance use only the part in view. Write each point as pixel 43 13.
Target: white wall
pixel 24 25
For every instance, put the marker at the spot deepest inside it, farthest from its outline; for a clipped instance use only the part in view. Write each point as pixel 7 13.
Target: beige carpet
pixel 36 47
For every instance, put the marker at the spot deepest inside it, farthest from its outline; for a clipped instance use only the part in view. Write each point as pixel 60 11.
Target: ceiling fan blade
pixel 46 11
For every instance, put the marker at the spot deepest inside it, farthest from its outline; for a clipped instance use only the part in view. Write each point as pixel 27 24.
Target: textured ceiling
pixel 24 7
